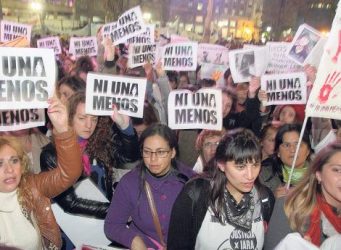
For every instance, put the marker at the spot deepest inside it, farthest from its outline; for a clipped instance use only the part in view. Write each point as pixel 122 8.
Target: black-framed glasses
pixel 158 153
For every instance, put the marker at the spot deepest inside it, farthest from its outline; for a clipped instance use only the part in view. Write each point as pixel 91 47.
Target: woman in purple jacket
pixel 166 178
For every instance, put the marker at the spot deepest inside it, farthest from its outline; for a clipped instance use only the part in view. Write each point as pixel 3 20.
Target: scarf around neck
pixel 296 176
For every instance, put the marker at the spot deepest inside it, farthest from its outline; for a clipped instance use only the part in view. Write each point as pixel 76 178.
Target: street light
pixel 268 29
pixel 36 6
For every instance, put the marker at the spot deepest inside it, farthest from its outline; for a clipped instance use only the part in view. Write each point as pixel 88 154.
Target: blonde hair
pixel 302 200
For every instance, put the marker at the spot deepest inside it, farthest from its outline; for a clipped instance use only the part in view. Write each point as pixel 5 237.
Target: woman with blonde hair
pixel 313 207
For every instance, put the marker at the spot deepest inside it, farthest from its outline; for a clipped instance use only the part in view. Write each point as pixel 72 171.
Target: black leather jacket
pixel 125 149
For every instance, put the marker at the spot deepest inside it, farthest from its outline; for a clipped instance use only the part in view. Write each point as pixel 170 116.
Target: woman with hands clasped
pixel 26 218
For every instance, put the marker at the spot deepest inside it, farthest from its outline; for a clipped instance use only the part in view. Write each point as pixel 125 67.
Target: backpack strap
pixel 267 203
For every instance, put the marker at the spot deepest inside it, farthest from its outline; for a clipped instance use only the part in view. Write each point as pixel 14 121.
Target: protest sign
pixel 303 43
pixel 212 53
pixel 214 72
pixel 50 43
pixel 279 63
pixel 11 120
pixel 83 46
pixel 315 56
pixel 245 63
pixel 146 37
pixel 178 39
pixel 140 54
pixel 180 56
pixel 199 110
pixel 104 91
pixel 285 88
pixel 324 99
pixel 19 42
pixel 27 77
pixel 12 30
pixel 128 25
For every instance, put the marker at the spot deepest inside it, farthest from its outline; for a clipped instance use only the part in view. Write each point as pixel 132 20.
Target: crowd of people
pixel 172 189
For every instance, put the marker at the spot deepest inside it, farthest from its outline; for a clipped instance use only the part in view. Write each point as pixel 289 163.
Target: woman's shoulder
pixel 185 169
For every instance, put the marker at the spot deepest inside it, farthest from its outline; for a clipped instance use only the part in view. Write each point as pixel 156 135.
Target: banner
pixel 214 54
pixel 199 110
pixel 12 30
pixel 285 88
pixel 279 63
pixel 27 77
pixel 11 120
pixel 50 43
pixel 214 72
pixel 324 99
pixel 128 25
pixel 104 91
pixel 145 37
pixel 180 56
pixel 83 46
pixel 140 54
pixel 303 43
pixel 245 63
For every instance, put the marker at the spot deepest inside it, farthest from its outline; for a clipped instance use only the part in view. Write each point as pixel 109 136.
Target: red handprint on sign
pixel 336 56
pixel 327 87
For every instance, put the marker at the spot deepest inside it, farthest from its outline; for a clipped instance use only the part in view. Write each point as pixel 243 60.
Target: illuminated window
pixel 232 23
pixel 320 5
pixel 199 29
pixel 189 27
pixel 199 6
pixel 199 19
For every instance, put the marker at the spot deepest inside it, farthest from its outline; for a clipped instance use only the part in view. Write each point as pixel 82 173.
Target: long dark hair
pixel 239 146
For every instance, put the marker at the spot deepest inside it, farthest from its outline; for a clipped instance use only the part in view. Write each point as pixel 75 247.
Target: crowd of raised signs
pixel 170 144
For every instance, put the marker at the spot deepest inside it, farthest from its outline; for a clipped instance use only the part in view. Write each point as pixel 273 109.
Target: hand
pixel 109 49
pixel 138 244
pixel 121 120
pixel 281 191
pixel 159 69
pixel 148 68
pixel 262 95
pixel 310 71
pixel 253 86
pixel 58 115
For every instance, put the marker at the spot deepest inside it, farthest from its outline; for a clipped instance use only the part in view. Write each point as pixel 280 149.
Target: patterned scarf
pixel 85 157
pixel 296 176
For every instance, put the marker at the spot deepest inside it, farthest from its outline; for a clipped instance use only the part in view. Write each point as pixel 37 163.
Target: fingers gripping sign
pixel 121 120
pixel 58 114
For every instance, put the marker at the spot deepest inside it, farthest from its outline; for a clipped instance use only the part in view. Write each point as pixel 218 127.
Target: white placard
pixel 180 56
pixel 50 43
pixel 128 25
pixel 127 93
pixel 12 30
pixel 11 120
pixel 285 88
pixel 245 63
pixel 199 110
pixel 27 76
pixel 214 72
pixel 213 54
pixel 83 46
pixel 303 43
pixel 146 37
pixel 140 54
pixel 279 63
pixel 324 99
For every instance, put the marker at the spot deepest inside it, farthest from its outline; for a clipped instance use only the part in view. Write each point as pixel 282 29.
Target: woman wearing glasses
pixel 165 176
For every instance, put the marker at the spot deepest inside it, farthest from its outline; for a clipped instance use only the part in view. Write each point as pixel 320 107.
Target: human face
pixel 330 179
pixel 288 147
pixel 227 105
pixel 10 169
pixel 183 82
pixel 67 66
pixel 209 147
pixel 83 124
pixel 152 147
pixel 268 143
pixel 240 177
pixel 287 115
pixel 65 92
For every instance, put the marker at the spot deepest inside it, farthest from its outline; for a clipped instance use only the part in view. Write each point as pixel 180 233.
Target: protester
pixel 267 139
pixel 166 177
pixel 212 210
pixel 26 218
pixel 289 114
pixel 313 207
pixel 68 85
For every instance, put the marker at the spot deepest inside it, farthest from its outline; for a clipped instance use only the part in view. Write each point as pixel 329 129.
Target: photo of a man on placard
pixel 245 63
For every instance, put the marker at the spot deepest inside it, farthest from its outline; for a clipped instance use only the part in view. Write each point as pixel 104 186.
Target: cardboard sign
pixel 140 54
pixel 324 99
pixel 285 88
pixel 50 43
pixel 180 56
pixel 83 46
pixel 128 25
pixel 27 77
pixel 245 63
pixel 279 63
pixel 303 43
pixel 199 110
pixel 213 54
pixel 11 120
pixel 145 37
pixel 12 30
pixel 103 91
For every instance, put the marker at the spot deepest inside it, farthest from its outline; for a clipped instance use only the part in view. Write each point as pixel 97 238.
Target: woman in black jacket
pixel 106 143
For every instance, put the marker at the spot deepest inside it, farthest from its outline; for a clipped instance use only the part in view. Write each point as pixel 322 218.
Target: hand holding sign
pixel 310 71
pixel 121 120
pixel 58 115
pixel 253 86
